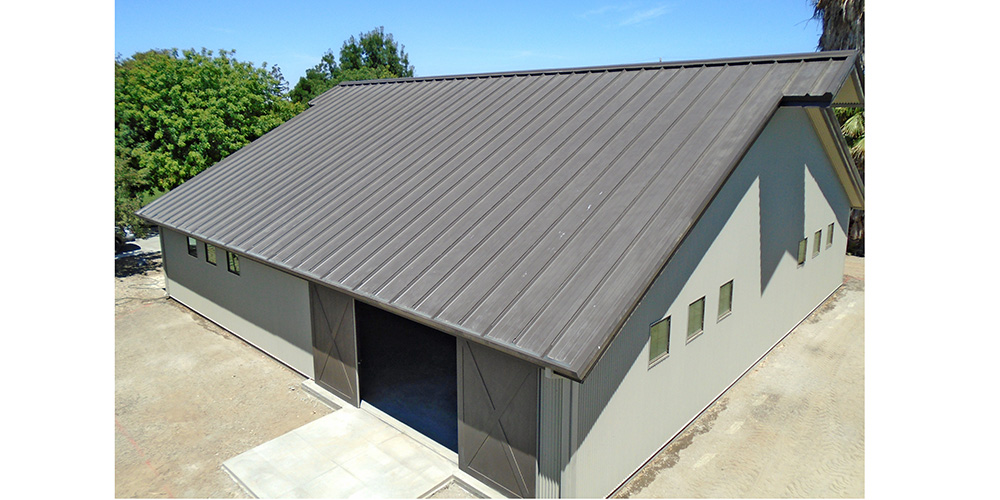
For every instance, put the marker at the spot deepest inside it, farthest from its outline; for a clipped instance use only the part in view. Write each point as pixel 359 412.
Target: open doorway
pixel 408 371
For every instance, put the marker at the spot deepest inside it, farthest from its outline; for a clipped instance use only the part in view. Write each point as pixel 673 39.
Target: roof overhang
pixel 828 129
pixel 852 93
pixel 819 108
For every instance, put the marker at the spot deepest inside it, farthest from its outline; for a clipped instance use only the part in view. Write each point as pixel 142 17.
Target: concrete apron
pixel 350 453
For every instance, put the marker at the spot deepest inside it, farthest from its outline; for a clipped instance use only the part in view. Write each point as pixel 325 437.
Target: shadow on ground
pixel 128 265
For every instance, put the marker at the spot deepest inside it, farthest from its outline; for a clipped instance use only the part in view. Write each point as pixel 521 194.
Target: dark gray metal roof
pixel 528 211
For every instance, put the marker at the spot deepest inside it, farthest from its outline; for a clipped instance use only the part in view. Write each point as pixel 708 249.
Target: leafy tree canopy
pixel 371 56
pixel 176 114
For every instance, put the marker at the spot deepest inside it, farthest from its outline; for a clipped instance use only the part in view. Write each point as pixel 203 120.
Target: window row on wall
pixel 817 244
pixel 659 332
pixel 232 260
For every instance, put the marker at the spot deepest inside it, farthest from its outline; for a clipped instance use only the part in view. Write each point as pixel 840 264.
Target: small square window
pixel 725 299
pixel 192 247
pixel 816 242
pixel 210 253
pixel 696 318
pixel 659 339
pixel 233 262
pixel 829 235
pixel 802 251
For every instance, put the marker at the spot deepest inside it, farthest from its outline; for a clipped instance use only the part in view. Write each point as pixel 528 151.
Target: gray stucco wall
pixel 264 306
pixel 785 189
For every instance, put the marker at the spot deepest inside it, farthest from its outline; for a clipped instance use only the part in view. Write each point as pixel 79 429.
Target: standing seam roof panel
pixel 470 244
pixel 482 208
pixel 530 217
pixel 621 196
pixel 513 288
pixel 381 185
pixel 323 186
pixel 286 244
pixel 501 265
pixel 301 191
pixel 416 196
pixel 605 278
pixel 317 161
pixel 472 179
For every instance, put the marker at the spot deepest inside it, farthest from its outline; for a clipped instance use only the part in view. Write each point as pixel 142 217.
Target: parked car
pixel 123 235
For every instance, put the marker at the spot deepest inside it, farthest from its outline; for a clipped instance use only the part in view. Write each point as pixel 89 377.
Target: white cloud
pixel 628 12
pixel 645 15
pixel 600 11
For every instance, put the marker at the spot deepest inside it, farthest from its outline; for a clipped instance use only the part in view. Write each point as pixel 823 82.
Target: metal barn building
pixel 549 272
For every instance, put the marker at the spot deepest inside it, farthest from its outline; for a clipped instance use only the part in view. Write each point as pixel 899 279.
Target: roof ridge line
pixel 778 58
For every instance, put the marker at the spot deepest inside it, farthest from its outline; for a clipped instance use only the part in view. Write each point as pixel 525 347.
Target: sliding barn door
pixel 335 346
pixel 498 418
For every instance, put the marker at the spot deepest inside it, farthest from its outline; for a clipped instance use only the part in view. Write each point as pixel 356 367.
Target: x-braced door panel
pixel 335 347
pixel 498 418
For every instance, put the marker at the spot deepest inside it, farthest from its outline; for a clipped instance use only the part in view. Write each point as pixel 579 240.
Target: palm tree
pixel 843 25
pixel 844 28
pixel 852 124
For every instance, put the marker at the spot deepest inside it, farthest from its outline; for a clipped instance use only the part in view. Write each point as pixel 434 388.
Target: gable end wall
pixel 784 189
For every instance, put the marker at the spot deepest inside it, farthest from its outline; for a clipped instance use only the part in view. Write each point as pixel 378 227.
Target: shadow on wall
pixel 782 216
pixel 626 348
pixel 780 176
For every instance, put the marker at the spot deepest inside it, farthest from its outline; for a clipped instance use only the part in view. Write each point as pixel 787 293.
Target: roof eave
pixel 852 91
pixel 451 329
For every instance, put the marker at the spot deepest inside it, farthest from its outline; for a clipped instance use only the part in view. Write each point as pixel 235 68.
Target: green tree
pixel 852 124
pixel 375 50
pixel 318 79
pixel 129 184
pixel 844 28
pixel 176 114
pixel 371 56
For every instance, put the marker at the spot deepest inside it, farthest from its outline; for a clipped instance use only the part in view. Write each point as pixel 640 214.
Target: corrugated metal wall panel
pixel 550 429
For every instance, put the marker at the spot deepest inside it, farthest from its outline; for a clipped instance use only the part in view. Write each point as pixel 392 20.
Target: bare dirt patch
pixel 190 395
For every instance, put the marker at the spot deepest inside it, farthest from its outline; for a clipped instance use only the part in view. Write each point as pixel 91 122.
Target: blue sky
pixel 444 38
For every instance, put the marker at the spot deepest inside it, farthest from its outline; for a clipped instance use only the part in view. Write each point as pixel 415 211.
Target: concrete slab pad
pixel 350 453
pixel 255 474
pixel 335 480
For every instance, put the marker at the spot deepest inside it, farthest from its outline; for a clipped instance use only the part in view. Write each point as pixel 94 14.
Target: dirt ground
pixel 189 395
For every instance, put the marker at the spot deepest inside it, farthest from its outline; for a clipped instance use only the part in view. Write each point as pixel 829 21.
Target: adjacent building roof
pixel 527 210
